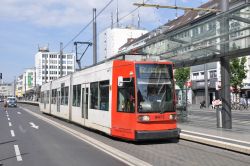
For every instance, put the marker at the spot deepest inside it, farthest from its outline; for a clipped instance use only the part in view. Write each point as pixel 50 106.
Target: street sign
pixel 1 76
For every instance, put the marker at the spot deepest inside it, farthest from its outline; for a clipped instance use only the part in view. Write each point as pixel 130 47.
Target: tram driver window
pixel 126 96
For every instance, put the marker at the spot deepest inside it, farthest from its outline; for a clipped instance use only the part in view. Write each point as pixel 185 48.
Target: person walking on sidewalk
pixel 5 104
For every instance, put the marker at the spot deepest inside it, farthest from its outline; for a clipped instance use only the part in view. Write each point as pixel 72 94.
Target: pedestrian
pixel 213 104
pixel 5 104
pixel 202 104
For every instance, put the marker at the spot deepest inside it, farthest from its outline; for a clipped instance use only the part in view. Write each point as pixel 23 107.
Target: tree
pixel 181 77
pixel 238 73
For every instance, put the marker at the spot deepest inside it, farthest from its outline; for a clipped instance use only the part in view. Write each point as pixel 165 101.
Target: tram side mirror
pixel 120 81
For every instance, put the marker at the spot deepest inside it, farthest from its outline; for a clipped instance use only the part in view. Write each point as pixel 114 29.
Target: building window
pixel 213 74
pixel 195 75
pixel 76 95
pixel 69 56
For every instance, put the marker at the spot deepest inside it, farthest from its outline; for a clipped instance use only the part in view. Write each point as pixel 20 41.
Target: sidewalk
pixel 200 125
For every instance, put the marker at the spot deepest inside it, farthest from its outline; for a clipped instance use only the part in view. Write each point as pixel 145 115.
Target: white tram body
pixel 105 97
pixel 97 119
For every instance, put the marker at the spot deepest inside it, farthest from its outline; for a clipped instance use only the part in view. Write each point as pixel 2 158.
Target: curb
pixel 216 143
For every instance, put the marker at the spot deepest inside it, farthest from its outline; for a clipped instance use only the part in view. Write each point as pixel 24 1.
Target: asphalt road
pixel 51 146
pixel 43 145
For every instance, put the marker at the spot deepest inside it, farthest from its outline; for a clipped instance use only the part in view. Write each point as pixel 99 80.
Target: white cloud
pixel 48 12
pixel 59 13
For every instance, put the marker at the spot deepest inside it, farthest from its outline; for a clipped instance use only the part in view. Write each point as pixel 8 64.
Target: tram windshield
pixel 154 88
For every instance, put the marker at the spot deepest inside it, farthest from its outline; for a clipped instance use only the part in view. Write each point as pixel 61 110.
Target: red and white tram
pixel 133 100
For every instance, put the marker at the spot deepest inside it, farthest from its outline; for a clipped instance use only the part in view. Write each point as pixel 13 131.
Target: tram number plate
pixel 159 117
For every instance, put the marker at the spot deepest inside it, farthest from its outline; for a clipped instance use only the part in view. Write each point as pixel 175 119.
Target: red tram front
pixel 143 100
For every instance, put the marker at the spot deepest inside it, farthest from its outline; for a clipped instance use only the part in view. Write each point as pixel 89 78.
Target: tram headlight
pixel 143 118
pixel 172 116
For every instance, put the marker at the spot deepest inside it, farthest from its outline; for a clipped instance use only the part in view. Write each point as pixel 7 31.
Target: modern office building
pixel 48 65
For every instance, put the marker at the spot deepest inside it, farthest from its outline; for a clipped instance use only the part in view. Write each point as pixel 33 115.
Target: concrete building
pixel 198 34
pixel 28 83
pixel 19 86
pixel 112 39
pixel 47 65
pixel 6 90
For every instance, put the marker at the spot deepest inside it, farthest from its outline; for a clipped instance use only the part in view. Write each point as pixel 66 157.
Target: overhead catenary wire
pixel 85 27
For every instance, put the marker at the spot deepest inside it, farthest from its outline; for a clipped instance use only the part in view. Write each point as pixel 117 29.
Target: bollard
pixel 219 117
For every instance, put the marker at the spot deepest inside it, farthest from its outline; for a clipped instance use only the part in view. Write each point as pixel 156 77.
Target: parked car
pixel 11 101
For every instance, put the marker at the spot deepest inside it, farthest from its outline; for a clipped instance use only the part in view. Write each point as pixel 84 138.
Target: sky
pixel 27 24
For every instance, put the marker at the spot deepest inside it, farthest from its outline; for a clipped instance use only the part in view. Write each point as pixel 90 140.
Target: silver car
pixel 11 101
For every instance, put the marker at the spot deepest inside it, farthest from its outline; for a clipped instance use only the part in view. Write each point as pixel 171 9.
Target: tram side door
pixel 58 100
pixel 85 101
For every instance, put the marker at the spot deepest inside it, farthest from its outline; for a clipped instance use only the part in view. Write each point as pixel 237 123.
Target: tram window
pixel 47 97
pixel 42 97
pixel 126 96
pixel 104 95
pixel 53 98
pixel 64 95
pixel 76 95
pixel 94 95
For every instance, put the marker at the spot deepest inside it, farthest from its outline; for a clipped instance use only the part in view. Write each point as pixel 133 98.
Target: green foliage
pixel 238 72
pixel 182 76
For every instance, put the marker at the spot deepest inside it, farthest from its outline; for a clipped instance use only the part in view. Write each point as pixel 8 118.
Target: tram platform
pixel 199 125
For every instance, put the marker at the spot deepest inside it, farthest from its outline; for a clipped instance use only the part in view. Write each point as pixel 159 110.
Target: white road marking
pixel 18 154
pixel 8 119
pixel 118 154
pixel 19 113
pixel 10 124
pixel 33 125
pixel 7 115
pixel 12 133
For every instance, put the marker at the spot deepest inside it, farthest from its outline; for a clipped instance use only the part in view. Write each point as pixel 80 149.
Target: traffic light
pixel 0 76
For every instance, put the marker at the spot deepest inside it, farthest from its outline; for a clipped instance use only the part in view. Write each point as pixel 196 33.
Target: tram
pixel 129 99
